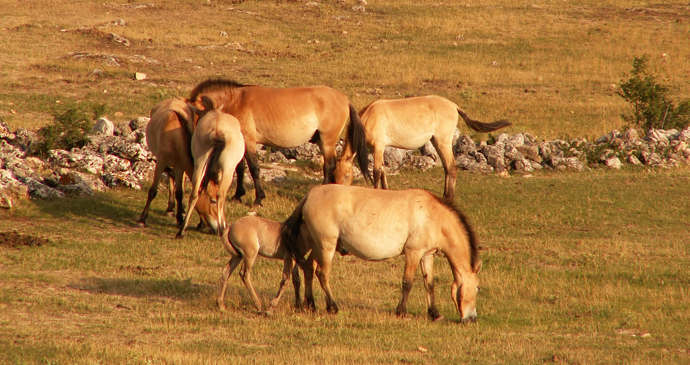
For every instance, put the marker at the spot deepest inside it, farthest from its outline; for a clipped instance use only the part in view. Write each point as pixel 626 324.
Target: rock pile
pixel 117 156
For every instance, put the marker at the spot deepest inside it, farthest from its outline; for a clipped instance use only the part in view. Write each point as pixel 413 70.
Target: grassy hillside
pixel 579 268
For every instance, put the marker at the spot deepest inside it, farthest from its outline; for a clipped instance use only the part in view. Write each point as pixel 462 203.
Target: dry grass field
pixel 579 268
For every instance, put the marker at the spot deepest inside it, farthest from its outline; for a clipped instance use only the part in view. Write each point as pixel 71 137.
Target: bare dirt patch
pixel 16 240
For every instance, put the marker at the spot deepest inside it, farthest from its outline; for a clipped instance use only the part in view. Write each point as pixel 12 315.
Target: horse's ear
pixel 195 110
pixel 220 108
pixel 207 103
pixel 352 158
pixel 477 266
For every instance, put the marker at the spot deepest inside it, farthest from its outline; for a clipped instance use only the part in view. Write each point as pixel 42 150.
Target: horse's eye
pixel 214 201
pixel 479 289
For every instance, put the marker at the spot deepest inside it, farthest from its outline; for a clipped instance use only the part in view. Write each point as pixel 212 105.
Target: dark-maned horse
pixel 376 225
pixel 410 123
pixel 168 136
pixel 217 148
pixel 286 118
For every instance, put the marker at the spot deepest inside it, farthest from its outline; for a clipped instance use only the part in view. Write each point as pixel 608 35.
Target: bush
pixel 652 107
pixel 69 129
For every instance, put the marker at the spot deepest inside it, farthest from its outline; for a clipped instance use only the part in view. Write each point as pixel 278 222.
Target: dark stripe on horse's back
pixel 212 85
pixel 471 237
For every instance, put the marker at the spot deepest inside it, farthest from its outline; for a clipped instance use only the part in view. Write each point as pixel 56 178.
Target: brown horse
pixel 380 224
pixel 286 118
pixel 168 136
pixel 250 237
pixel 217 148
pixel 410 123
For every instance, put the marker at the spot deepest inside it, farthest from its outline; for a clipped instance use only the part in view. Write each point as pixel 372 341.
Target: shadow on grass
pixel 183 290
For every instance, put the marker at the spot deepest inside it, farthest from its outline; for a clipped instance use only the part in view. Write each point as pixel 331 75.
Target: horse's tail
pixel 289 234
pixel 483 127
pixel 211 168
pixel 357 137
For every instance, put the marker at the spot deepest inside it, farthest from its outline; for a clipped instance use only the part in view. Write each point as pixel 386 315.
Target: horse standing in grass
pixel 168 136
pixel 410 123
pixel 217 148
pixel 380 224
pixel 250 237
pixel 286 118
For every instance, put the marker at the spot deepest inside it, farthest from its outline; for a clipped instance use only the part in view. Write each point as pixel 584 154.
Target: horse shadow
pixel 172 289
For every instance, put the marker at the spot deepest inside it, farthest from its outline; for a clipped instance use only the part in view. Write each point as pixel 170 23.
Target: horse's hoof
pixel 141 224
pixel 179 235
pixel 170 213
pixel 268 313
pixel 221 307
pixel 438 319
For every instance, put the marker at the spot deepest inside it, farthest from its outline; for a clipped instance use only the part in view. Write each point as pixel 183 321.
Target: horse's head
pixel 467 295
pixel 343 173
pixel 207 206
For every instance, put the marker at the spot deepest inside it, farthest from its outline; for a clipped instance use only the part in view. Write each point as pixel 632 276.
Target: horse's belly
pixel 373 247
pixel 289 134
pixel 409 141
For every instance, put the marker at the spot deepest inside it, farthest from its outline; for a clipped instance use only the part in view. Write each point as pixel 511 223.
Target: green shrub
pixel 69 129
pixel 652 107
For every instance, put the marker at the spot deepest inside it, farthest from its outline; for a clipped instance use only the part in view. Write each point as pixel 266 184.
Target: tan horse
pixel 286 118
pixel 168 136
pixel 380 224
pixel 217 148
pixel 250 237
pixel 410 123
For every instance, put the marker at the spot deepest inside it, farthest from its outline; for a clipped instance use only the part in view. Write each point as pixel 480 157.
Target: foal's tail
pixel 289 233
pixel 358 142
pixel 483 127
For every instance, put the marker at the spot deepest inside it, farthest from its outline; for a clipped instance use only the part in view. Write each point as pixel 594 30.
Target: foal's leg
pixel 444 149
pixel 246 275
pixel 227 271
pixel 411 261
pixel 287 269
pixel 427 267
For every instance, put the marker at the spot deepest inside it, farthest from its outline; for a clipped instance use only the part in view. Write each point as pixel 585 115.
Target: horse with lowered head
pixel 217 149
pixel 377 225
pixel 410 123
pixel 168 136
pixel 286 118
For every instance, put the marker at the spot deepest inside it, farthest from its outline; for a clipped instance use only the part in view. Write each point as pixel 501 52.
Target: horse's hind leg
pixel 179 192
pixel 227 271
pixel 253 163
pixel 411 261
pixel 309 302
pixel 379 176
pixel 427 266
pixel 153 191
pixel 323 272
pixel 287 269
pixel 445 152
pixel 296 285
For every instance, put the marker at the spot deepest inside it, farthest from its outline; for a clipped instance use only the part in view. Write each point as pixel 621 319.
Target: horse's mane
pixel 212 85
pixel 472 238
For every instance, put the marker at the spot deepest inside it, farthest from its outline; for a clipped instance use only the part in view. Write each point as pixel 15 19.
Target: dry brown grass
pixel 547 66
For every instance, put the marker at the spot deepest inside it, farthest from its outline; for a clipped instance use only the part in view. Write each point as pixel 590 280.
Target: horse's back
pixel 164 132
pixel 410 122
pixel 260 233
pixel 372 224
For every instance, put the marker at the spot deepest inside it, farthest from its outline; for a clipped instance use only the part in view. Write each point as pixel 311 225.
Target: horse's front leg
pixel 411 261
pixel 428 275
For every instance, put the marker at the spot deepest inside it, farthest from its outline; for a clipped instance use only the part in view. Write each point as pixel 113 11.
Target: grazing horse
pixel 217 148
pixel 250 237
pixel 380 224
pixel 168 136
pixel 286 118
pixel 410 123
